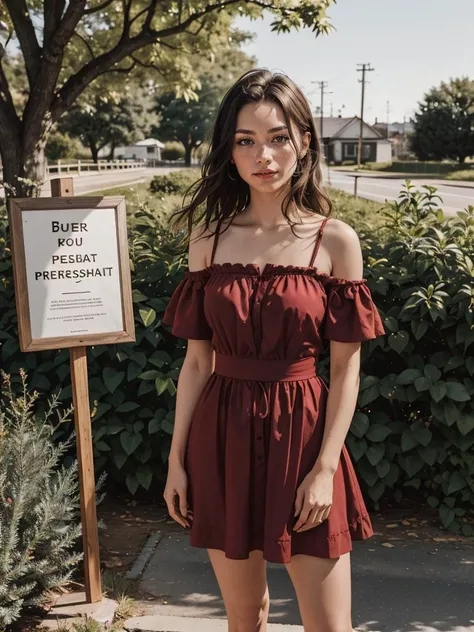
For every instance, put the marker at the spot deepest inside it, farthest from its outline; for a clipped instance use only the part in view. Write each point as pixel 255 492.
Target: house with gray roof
pixel 341 138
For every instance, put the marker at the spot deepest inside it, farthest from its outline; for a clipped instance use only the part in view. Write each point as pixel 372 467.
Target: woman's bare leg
pixel 323 590
pixel 243 584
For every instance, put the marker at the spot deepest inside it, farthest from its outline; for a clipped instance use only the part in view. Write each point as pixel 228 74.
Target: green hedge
pixel 413 430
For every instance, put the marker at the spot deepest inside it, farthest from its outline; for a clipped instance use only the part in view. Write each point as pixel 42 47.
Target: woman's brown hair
pixel 221 193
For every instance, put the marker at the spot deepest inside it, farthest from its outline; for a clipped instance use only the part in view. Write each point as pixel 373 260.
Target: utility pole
pixel 322 86
pixel 388 117
pixel 365 68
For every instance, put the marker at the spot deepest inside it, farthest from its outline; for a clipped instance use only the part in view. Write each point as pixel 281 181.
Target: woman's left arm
pixel 314 498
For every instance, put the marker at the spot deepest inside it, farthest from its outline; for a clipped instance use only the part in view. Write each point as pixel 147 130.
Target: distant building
pixel 399 136
pixel 148 149
pixel 341 138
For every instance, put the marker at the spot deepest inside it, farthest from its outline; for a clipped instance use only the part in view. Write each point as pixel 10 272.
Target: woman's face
pixel 262 141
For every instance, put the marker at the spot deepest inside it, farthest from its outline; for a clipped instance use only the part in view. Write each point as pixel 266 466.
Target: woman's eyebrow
pixel 249 131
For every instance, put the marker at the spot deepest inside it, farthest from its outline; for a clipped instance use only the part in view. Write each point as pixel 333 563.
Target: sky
pixel 413 45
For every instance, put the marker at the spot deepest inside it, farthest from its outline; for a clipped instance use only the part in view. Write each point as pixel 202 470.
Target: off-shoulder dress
pixel 257 427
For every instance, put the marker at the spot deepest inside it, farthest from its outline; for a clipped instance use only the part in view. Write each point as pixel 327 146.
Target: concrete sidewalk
pixel 412 586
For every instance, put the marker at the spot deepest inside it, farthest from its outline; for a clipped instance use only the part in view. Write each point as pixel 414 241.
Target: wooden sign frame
pixel 16 208
pixel 62 189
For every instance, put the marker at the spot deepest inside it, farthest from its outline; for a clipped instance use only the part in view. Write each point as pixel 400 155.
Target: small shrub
pixel 172 151
pixel 378 166
pixel 177 182
pixel 38 505
pixel 61 146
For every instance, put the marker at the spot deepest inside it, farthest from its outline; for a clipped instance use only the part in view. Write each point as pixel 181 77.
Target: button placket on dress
pixel 259 415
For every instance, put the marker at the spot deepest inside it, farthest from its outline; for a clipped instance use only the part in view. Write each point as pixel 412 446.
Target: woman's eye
pixel 282 136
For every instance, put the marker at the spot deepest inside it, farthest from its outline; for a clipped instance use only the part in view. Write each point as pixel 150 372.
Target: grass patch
pixel 464 174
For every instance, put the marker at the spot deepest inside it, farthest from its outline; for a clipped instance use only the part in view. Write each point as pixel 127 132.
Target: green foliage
pixel 157 44
pixel 413 429
pixel 172 151
pixel 62 146
pixel 174 183
pixel 112 120
pixel 444 124
pixel 190 121
pixel 414 426
pixel 377 166
pixel 39 501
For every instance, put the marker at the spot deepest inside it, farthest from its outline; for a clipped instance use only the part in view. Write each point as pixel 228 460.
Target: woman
pixel 258 447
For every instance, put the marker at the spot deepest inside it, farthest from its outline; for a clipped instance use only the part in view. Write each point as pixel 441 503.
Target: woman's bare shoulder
pixel 343 245
pixel 200 245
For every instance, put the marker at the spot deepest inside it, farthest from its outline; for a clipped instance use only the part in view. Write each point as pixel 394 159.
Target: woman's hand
pixel 313 500
pixel 175 494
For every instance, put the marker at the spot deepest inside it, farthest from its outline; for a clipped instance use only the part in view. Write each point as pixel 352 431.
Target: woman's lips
pixel 266 176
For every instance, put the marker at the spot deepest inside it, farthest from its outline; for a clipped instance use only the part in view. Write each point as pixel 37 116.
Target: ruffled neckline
pixel 270 269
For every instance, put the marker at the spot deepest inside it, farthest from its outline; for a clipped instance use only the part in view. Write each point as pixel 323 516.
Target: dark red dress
pixel 257 427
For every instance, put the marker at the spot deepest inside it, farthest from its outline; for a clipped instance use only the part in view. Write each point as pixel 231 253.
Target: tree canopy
pixel 66 46
pixel 444 124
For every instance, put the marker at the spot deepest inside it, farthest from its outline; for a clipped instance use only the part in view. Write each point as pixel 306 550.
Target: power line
pixel 364 68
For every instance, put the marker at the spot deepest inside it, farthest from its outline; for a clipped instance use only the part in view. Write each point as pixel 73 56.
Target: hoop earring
pixel 230 177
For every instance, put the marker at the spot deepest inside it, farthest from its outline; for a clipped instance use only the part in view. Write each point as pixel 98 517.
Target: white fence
pixel 89 166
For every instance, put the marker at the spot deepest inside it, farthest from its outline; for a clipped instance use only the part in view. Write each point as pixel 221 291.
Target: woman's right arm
pixel 197 367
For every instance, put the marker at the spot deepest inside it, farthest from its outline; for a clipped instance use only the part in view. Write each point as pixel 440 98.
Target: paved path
pixel 455 196
pixel 412 587
pixel 85 184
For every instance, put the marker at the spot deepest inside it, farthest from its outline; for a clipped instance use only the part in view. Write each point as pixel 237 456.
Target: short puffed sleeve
pixel 185 310
pixel 351 314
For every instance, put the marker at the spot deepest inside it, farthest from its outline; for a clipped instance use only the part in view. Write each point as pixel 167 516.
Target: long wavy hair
pixel 221 193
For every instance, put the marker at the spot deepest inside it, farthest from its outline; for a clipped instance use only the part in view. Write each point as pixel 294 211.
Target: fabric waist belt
pixel 255 369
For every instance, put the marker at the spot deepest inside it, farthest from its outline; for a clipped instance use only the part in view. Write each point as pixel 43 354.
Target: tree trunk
pixel 112 151
pixel 187 155
pixel 24 171
pixel 95 152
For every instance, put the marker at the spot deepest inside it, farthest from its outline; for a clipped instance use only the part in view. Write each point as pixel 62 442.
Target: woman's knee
pixel 249 617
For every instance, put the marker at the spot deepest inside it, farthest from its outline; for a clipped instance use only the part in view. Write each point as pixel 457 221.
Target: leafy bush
pixel 414 426
pixel 62 146
pixel 176 182
pixel 38 503
pixel 172 151
pixel 377 166
pixel 413 430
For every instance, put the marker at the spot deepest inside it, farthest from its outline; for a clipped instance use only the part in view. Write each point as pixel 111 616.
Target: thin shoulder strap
pixel 318 241
pixel 216 239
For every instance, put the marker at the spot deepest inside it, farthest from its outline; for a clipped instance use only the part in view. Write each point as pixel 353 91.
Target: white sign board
pixel 72 272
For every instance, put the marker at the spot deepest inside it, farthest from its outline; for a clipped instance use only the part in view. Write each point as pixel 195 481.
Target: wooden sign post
pixel 73 289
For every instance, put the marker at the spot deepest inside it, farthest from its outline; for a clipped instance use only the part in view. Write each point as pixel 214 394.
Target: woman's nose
pixel 264 153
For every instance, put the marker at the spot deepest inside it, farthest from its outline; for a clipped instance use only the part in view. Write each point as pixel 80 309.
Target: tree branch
pixel 104 63
pixel 52 13
pixel 67 26
pixel 86 43
pixel 25 32
pixel 101 7
pixel 148 65
pixel 127 5
pixel 7 100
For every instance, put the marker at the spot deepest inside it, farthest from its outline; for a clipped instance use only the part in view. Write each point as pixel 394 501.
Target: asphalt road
pixel 379 189
pixel 87 184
